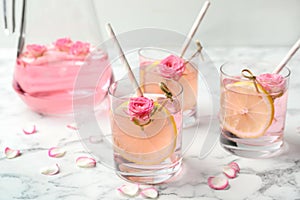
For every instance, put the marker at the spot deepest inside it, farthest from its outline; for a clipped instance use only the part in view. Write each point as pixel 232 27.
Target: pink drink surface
pixel 274 131
pixel 155 146
pixel 188 80
pixel 46 82
pixel 278 123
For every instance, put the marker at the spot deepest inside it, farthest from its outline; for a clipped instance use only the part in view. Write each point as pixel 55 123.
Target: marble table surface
pixel 20 178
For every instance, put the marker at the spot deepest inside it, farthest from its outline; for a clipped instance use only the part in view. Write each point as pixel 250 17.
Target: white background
pixel 227 23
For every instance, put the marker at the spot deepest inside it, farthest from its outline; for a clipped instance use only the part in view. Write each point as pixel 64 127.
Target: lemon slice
pixel 151 145
pixel 245 112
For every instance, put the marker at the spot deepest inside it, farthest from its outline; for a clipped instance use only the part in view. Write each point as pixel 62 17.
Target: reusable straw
pixel 194 28
pixel 287 58
pixel 130 73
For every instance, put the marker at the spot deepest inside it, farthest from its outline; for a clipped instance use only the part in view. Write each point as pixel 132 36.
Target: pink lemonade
pixel 147 146
pixel 253 113
pixel 189 80
pixel 45 76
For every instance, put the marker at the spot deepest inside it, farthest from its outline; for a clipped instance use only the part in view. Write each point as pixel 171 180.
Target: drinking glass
pixel 253 107
pixel 150 57
pixel 55 42
pixel 146 130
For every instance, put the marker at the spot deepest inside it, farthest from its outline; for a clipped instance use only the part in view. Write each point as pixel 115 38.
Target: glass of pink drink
pixel 45 75
pixel 146 131
pixel 151 61
pixel 253 107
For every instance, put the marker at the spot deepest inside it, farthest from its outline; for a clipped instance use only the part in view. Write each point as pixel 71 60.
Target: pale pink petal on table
pixel 11 153
pixel 229 172
pixel 234 166
pixel 56 152
pixel 129 189
pixel 85 162
pixel 30 129
pixel 50 170
pixel 217 182
pixel 72 127
pixel 150 193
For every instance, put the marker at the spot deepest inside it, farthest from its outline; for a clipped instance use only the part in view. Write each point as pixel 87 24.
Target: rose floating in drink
pixel 45 75
pixel 176 68
pixel 253 111
pixel 172 67
pixel 147 132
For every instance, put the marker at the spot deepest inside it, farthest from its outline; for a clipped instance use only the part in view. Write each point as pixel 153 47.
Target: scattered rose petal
pixel 96 139
pixel 151 193
pixel 30 129
pixel 11 153
pixel 56 152
pixel 298 129
pixel 273 83
pixel 85 162
pixel 72 127
pixel 234 166
pixel 229 172
pixel 129 189
pixel 217 183
pixel 51 170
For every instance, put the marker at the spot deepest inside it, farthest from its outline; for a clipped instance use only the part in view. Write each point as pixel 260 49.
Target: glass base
pixel 251 151
pixel 149 175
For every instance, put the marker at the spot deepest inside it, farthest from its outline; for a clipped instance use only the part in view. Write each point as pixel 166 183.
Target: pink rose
pixel 140 108
pixel 35 50
pixel 63 44
pixel 272 83
pixel 172 67
pixel 80 48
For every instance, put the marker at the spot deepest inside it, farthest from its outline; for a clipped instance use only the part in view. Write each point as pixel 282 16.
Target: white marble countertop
pixel 20 178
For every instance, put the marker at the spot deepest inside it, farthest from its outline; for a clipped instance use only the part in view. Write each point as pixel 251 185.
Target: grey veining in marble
pixel 20 178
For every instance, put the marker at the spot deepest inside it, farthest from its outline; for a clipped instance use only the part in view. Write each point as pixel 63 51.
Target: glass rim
pixel 180 92
pixel 140 50
pixel 238 78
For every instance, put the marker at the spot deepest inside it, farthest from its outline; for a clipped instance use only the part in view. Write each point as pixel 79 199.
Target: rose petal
pixel 72 127
pixel 85 162
pixel 56 152
pixel 11 153
pixel 234 166
pixel 51 170
pixel 151 193
pixel 129 189
pixel 96 139
pixel 217 183
pixel 30 129
pixel 229 172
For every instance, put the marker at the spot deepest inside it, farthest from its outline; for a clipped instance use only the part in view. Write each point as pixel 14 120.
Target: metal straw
pixel 13 16
pixel 130 73
pixel 5 17
pixel 22 30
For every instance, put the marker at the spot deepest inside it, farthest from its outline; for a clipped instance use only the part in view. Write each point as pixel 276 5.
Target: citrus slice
pixel 246 112
pixel 150 145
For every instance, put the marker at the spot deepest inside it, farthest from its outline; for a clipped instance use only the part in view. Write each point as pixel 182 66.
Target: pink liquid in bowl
pixel 46 83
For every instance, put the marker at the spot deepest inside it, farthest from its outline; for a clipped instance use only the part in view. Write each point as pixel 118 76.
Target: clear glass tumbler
pixel 150 58
pixel 253 107
pixel 146 130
